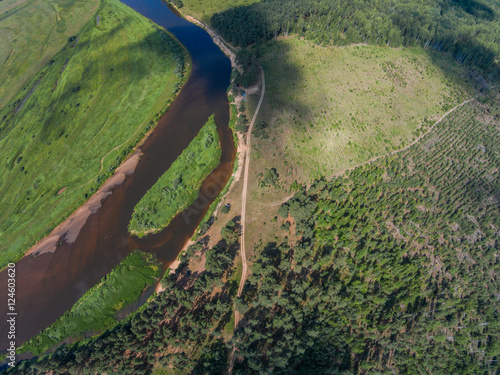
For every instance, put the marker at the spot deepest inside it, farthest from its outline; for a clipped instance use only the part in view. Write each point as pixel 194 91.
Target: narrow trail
pixel 408 145
pixel 244 272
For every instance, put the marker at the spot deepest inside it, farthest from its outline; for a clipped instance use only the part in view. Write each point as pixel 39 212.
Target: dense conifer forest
pixel 468 29
pixel 391 267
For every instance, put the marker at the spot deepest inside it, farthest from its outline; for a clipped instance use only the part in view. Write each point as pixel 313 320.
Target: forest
pixel 468 29
pixel 390 267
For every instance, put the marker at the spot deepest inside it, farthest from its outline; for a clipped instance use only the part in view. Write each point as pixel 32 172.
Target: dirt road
pixel 243 208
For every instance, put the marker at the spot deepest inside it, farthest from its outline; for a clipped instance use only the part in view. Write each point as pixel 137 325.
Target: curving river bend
pixel 49 284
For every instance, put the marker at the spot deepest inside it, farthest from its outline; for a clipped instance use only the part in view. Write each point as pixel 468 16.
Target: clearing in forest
pixel 329 109
pixel 336 107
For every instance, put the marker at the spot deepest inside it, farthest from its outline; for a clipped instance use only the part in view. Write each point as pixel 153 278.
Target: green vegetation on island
pixel 178 187
pixel 378 272
pixel 96 310
pixel 65 132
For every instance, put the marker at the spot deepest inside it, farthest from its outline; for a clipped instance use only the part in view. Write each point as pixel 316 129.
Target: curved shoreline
pixel 50 283
pixel 69 228
pixel 224 46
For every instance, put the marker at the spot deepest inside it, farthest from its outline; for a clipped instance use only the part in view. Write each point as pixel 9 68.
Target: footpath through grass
pixel 78 118
pixel 178 187
pixel 336 107
pixel 32 31
pixel 96 310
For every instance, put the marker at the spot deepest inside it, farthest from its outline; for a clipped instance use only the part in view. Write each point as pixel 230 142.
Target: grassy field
pixel 76 120
pixel 337 107
pixel 329 109
pixel 96 310
pixel 32 31
pixel 203 9
pixel 178 187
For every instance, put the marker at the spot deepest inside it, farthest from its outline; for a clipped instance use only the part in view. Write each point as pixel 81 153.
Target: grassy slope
pixel 32 31
pixel 203 10
pixel 99 93
pixel 178 187
pixel 341 106
pixel 97 308
pixel 329 109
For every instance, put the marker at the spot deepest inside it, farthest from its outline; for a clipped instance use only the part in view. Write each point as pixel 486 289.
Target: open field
pixel 178 187
pixel 203 9
pixel 97 309
pixel 329 109
pixel 76 120
pixel 32 31
pixel 337 107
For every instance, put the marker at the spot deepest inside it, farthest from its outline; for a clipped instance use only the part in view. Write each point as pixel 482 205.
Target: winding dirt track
pixel 340 173
pixel 243 208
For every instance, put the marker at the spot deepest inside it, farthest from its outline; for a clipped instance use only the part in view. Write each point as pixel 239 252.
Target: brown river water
pixel 49 284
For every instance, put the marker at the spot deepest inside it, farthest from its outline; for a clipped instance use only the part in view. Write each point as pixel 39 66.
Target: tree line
pixel 468 29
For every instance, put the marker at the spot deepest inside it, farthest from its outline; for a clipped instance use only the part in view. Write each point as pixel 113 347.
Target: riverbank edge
pixel 225 47
pixel 126 166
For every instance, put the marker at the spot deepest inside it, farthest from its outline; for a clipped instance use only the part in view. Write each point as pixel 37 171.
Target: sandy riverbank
pixel 69 229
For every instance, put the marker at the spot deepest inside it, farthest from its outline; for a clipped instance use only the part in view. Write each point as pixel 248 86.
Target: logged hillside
pixel 468 29
pixel 391 267
pixel 328 109
pixel 65 132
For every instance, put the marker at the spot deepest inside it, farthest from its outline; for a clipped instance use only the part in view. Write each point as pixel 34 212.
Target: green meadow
pixel 178 187
pixel 329 109
pixel 96 310
pixel 75 120
pixel 32 31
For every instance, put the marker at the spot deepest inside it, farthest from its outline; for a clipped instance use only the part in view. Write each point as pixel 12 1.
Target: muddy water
pixel 49 284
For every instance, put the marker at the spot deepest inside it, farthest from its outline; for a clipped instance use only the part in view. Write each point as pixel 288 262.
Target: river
pixel 49 284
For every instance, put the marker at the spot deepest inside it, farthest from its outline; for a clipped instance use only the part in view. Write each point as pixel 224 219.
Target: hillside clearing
pixel 329 109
